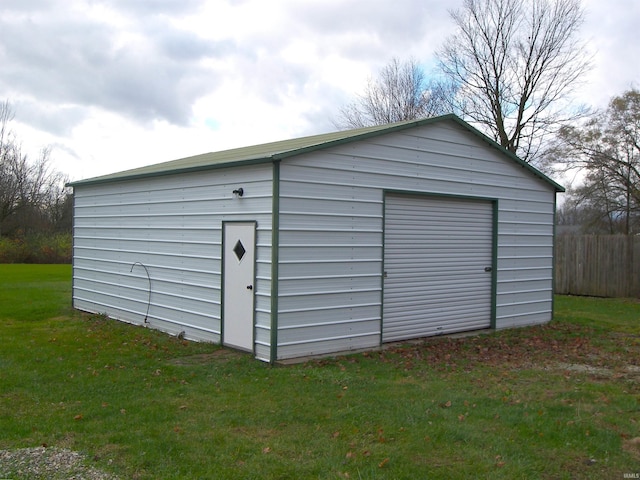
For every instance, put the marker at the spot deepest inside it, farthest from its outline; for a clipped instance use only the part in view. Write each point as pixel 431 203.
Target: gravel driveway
pixel 47 463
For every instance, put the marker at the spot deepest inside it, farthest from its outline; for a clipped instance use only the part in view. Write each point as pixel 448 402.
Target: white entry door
pixel 239 244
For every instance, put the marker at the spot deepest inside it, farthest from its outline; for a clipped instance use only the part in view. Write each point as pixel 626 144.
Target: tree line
pixel 509 69
pixel 605 150
pixel 35 206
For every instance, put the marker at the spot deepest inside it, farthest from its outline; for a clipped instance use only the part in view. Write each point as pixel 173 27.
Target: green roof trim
pixel 280 150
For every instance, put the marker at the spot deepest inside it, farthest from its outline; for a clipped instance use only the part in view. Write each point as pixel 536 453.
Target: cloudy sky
pixel 116 84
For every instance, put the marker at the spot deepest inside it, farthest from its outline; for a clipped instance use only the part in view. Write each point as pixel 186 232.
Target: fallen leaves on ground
pixel 543 345
pixel 632 446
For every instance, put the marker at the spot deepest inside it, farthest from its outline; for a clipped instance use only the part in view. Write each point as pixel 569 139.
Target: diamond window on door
pixel 239 250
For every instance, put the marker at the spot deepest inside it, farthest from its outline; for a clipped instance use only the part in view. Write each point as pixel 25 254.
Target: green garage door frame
pixel 440 264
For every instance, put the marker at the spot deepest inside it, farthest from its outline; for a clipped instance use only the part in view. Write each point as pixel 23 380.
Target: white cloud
pixel 116 84
pixel 611 29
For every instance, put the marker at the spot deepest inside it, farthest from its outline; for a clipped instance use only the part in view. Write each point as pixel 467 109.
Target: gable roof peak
pixel 279 150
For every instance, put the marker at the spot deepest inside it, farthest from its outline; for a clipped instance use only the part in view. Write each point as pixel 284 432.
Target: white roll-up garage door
pixel 438 261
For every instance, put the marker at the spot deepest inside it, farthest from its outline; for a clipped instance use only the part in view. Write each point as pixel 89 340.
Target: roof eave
pixel 123 177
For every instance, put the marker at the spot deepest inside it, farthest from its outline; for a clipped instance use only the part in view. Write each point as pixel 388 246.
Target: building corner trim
pixel 275 251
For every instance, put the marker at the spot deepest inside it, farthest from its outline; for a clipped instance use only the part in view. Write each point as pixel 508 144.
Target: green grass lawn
pixel 554 401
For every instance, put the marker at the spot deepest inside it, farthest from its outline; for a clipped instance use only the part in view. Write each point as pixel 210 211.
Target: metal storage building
pixel 322 244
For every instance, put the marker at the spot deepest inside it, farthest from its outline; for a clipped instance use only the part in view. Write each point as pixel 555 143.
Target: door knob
pixel 249 287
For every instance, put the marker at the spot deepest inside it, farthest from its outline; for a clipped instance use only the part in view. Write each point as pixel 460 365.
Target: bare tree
pixel 399 92
pixel 9 151
pixel 515 63
pixel 607 149
pixel 28 189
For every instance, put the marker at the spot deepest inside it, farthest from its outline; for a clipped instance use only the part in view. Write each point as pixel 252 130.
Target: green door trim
pixel 494 246
pixel 275 259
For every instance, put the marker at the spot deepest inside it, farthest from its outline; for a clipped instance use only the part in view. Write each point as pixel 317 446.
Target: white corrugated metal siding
pixel 331 240
pixel 173 226
pixel 329 272
pixel 436 251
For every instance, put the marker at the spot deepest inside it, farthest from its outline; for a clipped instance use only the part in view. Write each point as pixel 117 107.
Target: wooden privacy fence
pixel 598 265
